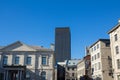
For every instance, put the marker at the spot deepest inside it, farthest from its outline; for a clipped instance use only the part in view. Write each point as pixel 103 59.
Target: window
pixel 94 47
pixel 117 49
pixel 28 61
pixel 97 46
pixel 95 57
pixel 73 74
pixel 44 61
pixel 118 63
pixel 115 37
pixel 98 55
pixel 110 61
pixel 92 58
pixel 98 65
pixel 5 60
pixel 92 71
pixel 95 66
pixel 17 60
pixel 91 49
pixel 72 68
pixel 43 75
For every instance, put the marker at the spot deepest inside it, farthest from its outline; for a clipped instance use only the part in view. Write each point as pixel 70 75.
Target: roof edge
pixel 114 28
pixel 99 40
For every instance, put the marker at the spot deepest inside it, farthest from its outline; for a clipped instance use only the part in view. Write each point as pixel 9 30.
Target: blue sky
pixel 33 21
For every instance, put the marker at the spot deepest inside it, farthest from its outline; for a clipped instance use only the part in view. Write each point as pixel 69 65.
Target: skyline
pixel 34 22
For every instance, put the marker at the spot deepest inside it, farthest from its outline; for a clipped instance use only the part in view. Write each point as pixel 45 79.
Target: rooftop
pixel 104 40
pixel 115 27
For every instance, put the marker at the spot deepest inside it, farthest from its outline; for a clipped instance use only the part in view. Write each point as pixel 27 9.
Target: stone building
pixel 70 69
pixel 84 68
pixel 19 61
pixel 101 62
pixel 115 50
pixel 80 69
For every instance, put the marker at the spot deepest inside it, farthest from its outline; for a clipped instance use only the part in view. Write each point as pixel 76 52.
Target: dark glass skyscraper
pixel 62 44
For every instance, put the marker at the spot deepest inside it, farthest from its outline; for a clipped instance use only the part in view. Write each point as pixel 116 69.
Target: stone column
pixel 20 74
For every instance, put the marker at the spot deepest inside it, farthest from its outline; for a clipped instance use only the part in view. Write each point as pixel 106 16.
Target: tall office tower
pixel 62 44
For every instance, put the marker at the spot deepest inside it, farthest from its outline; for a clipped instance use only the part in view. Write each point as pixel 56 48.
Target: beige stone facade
pixel 70 68
pixel 80 69
pixel 115 50
pixel 101 60
pixel 84 68
pixel 36 60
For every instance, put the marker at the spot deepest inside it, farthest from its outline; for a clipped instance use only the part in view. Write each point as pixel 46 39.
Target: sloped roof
pixel 73 62
pixel 114 28
pixel 103 40
pixel 40 48
pixel 17 46
pixel 31 48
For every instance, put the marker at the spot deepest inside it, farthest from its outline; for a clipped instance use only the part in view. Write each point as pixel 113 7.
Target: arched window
pixel 43 75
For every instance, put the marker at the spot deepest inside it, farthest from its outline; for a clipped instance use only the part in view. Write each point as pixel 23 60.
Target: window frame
pixel 44 58
pixel 28 60
pixel 73 74
pixel 99 65
pixel 115 37
pixel 118 63
pixel 17 60
pixel 43 76
pixel 94 48
pixel 98 46
pixel 5 60
pixel 98 55
pixel 117 49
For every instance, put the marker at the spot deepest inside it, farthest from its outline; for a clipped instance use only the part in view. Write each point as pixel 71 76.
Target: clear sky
pixel 33 21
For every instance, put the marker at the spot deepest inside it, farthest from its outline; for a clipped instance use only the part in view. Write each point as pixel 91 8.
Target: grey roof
pixel 103 40
pixel 73 62
pixel 38 48
pixel 12 44
pixel 114 28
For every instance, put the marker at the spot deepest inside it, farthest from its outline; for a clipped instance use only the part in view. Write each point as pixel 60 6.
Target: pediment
pixel 18 46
